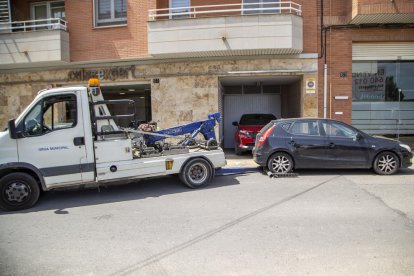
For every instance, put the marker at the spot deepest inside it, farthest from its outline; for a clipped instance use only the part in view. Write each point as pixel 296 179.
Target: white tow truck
pixel 67 137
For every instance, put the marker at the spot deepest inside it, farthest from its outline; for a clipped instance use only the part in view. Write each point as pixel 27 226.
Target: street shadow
pixel 309 172
pixel 59 200
pixel 312 172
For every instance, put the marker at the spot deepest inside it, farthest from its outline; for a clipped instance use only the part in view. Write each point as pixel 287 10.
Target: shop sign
pixel 369 86
pixel 111 73
pixel 310 86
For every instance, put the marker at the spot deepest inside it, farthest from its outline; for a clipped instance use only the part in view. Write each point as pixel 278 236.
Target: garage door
pixel 237 105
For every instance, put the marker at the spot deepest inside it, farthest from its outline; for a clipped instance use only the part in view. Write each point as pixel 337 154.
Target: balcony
pixel 273 28
pixel 382 12
pixel 34 42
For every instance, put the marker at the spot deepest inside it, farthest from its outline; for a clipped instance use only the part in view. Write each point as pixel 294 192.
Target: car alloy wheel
pixel 386 163
pixel 280 163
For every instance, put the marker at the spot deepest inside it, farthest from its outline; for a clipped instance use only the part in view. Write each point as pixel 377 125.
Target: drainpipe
pixel 325 89
pixel 325 66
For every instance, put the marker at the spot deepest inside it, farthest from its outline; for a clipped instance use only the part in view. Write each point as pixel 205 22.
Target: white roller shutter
pixel 383 51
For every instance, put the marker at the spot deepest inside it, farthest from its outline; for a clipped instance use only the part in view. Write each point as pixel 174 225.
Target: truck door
pixel 54 139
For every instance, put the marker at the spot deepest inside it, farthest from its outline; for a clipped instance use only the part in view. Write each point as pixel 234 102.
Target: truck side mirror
pixel 12 129
pixel 235 124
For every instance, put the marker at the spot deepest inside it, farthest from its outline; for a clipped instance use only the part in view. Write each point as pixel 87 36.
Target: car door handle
pixel 331 145
pixel 79 141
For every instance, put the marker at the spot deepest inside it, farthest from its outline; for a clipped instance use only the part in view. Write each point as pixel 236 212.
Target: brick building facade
pixel 181 59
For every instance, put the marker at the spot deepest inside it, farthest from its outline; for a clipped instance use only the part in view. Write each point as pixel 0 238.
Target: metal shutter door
pixel 237 105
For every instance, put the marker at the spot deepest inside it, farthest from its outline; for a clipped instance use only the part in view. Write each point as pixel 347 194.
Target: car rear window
pixel 266 127
pixel 256 119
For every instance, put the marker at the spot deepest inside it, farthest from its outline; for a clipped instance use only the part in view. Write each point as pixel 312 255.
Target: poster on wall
pixel 310 86
pixel 369 86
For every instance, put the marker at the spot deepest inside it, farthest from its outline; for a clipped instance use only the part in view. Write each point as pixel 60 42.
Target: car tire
pixel 196 173
pixel 386 163
pixel 280 162
pixel 18 191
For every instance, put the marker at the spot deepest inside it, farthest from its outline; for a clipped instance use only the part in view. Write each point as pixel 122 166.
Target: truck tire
pixel 196 173
pixel 18 191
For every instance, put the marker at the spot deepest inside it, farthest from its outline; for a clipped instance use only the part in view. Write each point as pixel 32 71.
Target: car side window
pixel 285 126
pixel 50 114
pixel 305 128
pixel 334 129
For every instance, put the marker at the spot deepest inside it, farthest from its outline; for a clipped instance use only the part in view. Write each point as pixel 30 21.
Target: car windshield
pixel 256 119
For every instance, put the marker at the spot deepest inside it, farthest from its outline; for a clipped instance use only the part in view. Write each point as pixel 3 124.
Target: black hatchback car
pixel 287 144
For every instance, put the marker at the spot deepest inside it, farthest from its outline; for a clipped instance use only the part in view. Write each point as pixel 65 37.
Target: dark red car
pixel 247 129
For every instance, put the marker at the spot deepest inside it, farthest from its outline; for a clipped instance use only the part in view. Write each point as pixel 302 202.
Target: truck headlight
pixel 407 147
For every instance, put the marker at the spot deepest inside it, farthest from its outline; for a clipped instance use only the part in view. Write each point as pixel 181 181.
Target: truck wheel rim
pixel 280 164
pixel 17 192
pixel 198 173
pixel 387 163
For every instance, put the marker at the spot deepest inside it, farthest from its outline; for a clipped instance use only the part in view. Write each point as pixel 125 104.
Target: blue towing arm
pixel 205 127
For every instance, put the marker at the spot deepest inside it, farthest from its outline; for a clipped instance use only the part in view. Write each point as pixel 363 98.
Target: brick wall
pixel 121 42
pixel 339 59
pixel 89 43
pixel 381 6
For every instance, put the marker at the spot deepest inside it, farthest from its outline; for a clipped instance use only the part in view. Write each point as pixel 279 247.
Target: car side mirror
pixel 358 136
pixel 235 124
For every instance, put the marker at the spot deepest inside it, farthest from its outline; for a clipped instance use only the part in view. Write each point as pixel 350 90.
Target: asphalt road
pixel 320 223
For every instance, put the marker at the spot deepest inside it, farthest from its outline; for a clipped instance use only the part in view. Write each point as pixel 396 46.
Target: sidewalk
pixel 239 161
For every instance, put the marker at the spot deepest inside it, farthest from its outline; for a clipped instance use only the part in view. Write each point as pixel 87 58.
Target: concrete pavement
pixel 320 223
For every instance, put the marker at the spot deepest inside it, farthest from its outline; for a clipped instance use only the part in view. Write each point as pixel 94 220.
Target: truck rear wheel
pixel 196 173
pixel 18 191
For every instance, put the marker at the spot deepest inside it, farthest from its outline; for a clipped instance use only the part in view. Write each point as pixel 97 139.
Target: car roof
pixel 304 119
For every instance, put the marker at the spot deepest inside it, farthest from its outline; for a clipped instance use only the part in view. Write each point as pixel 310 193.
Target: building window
pixel 44 12
pixel 110 12
pixel 382 81
pixel 180 7
pixel 261 6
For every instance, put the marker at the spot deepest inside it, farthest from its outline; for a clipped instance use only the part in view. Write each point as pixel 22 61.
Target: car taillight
pixel 264 137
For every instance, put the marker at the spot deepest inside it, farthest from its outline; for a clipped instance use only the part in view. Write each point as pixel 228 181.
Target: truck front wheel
pixel 196 173
pixel 18 191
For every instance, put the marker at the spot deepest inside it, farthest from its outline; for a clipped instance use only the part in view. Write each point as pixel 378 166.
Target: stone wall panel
pixel 187 91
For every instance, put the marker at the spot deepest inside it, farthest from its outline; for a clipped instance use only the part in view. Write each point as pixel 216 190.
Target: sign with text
pixel 112 73
pixel 369 86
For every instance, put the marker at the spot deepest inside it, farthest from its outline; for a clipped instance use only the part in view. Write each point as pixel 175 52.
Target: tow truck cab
pixel 61 140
